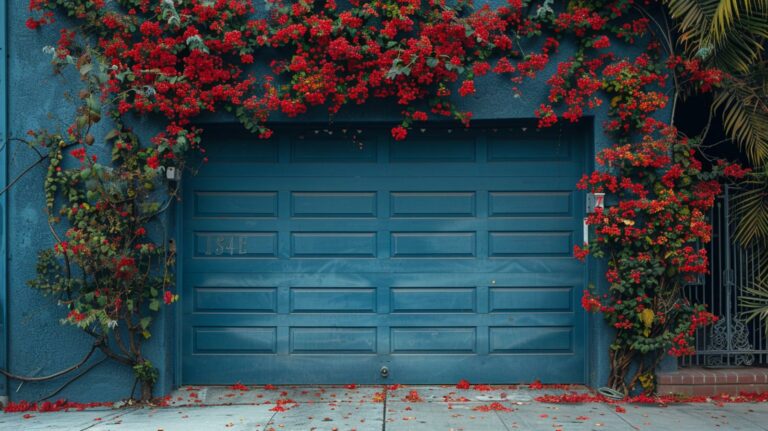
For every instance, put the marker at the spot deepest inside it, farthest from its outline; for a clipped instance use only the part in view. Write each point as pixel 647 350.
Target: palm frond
pixel 738 49
pixel 730 12
pixel 733 32
pixel 754 301
pixel 751 210
pixel 693 18
pixel 749 206
pixel 745 117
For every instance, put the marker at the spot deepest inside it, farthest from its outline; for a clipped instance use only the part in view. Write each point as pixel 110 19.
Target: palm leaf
pixel 730 12
pixel 745 117
pixel 754 301
pixel 693 18
pixel 732 31
pixel 749 207
pixel 737 50
pixel 751 211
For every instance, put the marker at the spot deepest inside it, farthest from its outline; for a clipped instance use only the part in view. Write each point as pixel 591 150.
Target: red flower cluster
pixel 655 237
pixel 367 52
pixel 48 406
pixel 495 406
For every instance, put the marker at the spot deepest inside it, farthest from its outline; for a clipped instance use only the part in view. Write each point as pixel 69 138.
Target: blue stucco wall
pixel 36 343
pixel 3 200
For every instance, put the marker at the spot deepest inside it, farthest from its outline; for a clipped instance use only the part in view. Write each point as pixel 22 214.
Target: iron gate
pixel 731 342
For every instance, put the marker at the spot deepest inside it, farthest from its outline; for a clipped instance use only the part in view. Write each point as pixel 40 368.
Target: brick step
pixel 712 381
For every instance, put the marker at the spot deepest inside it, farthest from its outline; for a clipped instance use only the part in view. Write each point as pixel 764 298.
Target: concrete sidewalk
pixel 372 408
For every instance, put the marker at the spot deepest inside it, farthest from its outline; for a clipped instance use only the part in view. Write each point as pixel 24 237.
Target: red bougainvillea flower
pixel 495 406
pixel 463 384
pixel 413 396
pixel 282 403
pixel 153 162
pixel 239 387
pixel 168 297
pixel 78 153
pixel 125 267
pixel 49 406
pixel 399 133
pixel 580 253
pixel 467 88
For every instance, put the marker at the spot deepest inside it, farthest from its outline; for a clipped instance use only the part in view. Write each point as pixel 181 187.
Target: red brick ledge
pixel 712 381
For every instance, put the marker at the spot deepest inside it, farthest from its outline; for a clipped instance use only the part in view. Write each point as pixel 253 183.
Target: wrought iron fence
pixel 731 342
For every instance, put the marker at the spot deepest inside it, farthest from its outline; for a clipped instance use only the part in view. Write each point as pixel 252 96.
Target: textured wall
pixel 37 343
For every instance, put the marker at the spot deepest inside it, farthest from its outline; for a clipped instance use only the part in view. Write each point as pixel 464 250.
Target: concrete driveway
pixel 374 408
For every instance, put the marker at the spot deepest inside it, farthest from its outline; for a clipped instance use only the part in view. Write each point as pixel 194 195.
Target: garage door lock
pixel 384 372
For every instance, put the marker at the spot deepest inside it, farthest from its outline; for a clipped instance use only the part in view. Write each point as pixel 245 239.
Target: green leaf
pixel 112 134
pixel 86 69
pixel 154 305
pixel 145 322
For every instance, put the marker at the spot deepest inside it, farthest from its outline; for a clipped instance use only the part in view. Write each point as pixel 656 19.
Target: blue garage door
pixel 323 256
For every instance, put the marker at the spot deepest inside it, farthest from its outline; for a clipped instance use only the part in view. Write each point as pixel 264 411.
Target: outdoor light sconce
pixel 173 174
pixel 593 202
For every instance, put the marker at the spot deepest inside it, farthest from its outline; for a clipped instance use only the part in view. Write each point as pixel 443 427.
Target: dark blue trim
pixel 177 320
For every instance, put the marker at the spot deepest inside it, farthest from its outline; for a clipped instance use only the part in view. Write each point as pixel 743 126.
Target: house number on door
pixel 218 245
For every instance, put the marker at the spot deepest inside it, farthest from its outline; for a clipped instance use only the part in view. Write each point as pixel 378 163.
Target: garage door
pixel 342 256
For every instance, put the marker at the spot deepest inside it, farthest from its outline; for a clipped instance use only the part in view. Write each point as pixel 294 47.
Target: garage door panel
pixel 235 204
pixel 330 149
pixel 513 277
pixel 234 245
pixel 333 244
pixel 433 300
pixel 434 204
pixel 227 299
pixel 284 320
pixel 554 265
pixel 433 244
pixel 532 224
pixel 530 298
pixel 540 203
pixel 333 339
pixel 333 204
pixel 447 253
pixel 433 340
pixel 481 168
pixel 531 339
pixel 233 339
pixel 534 149
pixel 332 300
pixel 386 183
pixel 299 369
pixel 228 148
pixel 530 244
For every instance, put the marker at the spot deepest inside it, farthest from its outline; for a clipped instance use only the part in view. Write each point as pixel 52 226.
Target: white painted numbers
pixel 230 245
